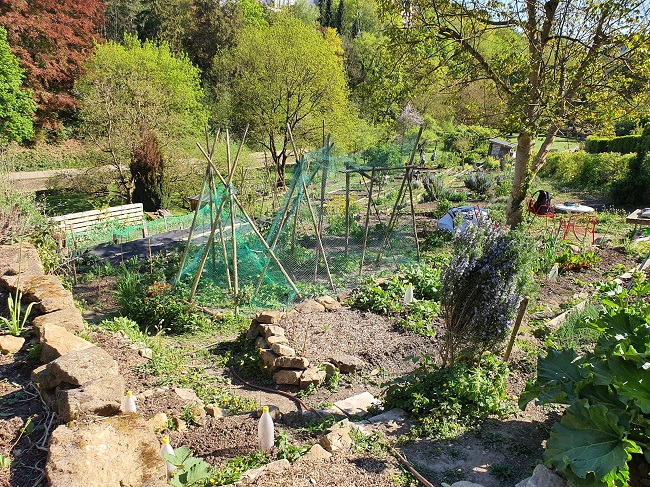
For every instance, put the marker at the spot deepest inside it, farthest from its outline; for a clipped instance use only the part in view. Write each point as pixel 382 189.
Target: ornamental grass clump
pixel 482 289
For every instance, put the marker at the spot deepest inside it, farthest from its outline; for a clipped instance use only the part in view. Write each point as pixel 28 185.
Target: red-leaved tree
pixel 52 38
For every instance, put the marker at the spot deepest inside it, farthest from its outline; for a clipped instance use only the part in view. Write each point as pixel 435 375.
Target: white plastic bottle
pixel 167 448
pixel 408 294
pixel 129 403
pixel 265 430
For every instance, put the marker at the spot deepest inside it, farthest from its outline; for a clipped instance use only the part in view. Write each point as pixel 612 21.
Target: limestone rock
pixel 330 369
pixel 261 343
pixel 277 467
pixel 187 395
pixel 216 412
pixel 356 405
pixel 329 303
pixel 269 316
pixel 337 438
pixel 120 450
pixel 44 379
pixel 347 363
pixel 158 422
pixel 283 350
pixel 83 366
pixel 69 318
pixel 310 306
pixel 253 330
pixel 316 452
pixel 101 397
pixel 274 412
pixel 543 477
pixel 11 344
pixel 280 339
pixel 287 377
pixel 292 363
pixel 146 353
pixel 47 292
pixel 271 330
pixel 14 261
pixel 313 375
pixel 57 341
pixel 268 357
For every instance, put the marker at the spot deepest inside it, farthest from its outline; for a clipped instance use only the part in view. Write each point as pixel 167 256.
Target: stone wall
pixel 95 444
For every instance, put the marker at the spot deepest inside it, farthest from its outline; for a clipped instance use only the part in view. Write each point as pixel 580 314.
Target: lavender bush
pixel 482 289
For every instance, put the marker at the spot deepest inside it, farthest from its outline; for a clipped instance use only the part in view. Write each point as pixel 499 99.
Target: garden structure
pixel 339 218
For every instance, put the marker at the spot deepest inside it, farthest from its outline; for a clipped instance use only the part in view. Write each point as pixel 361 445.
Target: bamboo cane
pixel 365 232
pixel 257 232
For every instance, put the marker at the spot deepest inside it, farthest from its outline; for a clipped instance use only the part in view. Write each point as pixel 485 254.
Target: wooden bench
pixel 75 223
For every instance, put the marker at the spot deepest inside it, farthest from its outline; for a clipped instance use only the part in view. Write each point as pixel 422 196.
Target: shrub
pixel 587 171
pixel 383 156
pixel 154 306
pixel 479 182
pixel 435 188
pixel 482 288
pixel 448 398
pixel 623 145
pixel 607 392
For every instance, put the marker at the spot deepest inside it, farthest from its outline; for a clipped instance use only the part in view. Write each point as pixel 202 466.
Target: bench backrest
pixel 79 222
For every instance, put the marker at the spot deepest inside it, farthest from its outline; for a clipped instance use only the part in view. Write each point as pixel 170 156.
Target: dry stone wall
pixel 277 354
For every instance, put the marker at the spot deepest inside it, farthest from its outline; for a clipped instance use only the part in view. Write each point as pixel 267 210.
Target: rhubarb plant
pixel 608 393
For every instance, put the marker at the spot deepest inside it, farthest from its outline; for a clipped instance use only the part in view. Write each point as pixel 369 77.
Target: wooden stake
pixel 347 209
pixel 515 328
pixel 365 233
pixel 254 227
pixel 233 227
pixel 196 212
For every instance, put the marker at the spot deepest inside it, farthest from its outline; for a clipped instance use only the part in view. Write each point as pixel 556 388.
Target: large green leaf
pixel 589 439
pixel 558 375
pixel 632 383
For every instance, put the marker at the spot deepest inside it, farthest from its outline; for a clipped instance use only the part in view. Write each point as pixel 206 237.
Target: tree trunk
pixel 520 183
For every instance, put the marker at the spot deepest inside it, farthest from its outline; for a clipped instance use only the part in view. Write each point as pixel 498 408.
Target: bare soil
pixel 498 453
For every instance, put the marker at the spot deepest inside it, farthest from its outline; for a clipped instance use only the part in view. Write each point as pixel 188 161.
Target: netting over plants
pixel 340 218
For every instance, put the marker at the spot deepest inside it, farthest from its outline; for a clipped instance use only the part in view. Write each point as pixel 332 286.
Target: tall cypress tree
pixel 338 21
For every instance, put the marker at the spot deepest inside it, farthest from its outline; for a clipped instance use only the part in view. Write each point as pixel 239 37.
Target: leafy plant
pixel 479 181
pixel 191 470
pixel 16 322
pixel 286 449
pixel 380 296
pixel 608 418
pixel 5 462
pixel 446 399
pixel 568 261
pixel 418 317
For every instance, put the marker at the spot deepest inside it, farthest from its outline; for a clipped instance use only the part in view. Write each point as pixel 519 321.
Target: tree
pixel 287 73
pixel 16 104
pixel 122 17
pixel 568 63
pixel 52 38
pixel 139 104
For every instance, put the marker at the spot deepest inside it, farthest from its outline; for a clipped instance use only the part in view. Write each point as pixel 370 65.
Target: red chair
pixel 580 226
pixel 539 209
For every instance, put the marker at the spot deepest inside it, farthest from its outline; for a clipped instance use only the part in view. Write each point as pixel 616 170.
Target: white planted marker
pixel 167 448
pixel 129 403
pixel 408 294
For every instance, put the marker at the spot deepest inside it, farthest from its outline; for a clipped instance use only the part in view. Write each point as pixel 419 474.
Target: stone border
pixel 80 383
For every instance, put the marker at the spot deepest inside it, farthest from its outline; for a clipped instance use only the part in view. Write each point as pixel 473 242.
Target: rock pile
pixel 276 353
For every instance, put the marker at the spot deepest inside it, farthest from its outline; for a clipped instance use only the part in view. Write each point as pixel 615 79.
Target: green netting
pixel 362 214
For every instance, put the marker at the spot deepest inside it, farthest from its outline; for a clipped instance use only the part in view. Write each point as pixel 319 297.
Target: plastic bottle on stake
pixel 129 403
pixel 265 430
pixel 167 448
pixel 408 294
